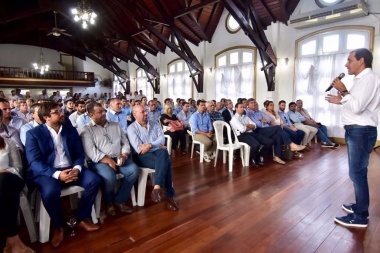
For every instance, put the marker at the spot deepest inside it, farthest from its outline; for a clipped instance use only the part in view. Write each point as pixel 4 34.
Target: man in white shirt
pixel 80 109
pixel 360 107
pixel 244 128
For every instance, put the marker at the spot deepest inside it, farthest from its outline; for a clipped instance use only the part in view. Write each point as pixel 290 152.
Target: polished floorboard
pixel 273 208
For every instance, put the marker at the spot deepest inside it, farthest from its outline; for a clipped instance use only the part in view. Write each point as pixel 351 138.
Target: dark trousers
pixel 159 161
pixel 275 135
pixel 50 189
pixel 295 136
pixel 254 140
pixel 10 188
pixel 178 136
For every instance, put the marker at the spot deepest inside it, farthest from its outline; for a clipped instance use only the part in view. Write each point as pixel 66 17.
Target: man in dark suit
pixel 56 160
pixel 228 112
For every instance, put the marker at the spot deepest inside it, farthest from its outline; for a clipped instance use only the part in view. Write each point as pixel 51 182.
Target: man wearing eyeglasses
pixel 108 149
pixel 56 160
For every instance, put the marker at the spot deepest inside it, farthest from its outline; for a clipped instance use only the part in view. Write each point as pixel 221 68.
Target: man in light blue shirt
pixel 147 140
pixel 185 115
pixel 153 113
pixel 297 120
pixel 115 114
pixel 201 128
pixel 32 124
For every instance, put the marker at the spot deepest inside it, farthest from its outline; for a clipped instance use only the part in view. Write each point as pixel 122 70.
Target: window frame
pixel 230 29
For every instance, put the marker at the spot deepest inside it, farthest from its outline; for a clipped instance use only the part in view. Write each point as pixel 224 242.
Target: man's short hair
pixel 45 109
pixel 365 54
pixel 3 100
pixel 80 102
pixel 92 105
pixel 68 100
pixel 200 101
pixel 281 101
pixel 33 107
pixel 291 103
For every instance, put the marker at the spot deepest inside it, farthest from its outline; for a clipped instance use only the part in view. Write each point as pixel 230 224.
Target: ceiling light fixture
pixel 84 13
pixel 41 65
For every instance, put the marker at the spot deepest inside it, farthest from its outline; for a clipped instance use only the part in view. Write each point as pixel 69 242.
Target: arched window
pixel 234 73
pixel 179 80
pixel 320 58
pixel 143 84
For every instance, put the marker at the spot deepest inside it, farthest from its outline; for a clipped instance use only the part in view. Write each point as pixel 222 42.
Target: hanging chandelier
pixel 41 65
pixel 84 13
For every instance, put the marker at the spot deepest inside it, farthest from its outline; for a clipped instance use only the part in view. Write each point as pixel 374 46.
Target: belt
pixel 348 127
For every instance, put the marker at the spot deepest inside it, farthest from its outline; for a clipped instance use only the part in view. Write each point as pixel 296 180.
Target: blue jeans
pixel 108 176
pixel 322 134
pixel 159 161
pixel 360 141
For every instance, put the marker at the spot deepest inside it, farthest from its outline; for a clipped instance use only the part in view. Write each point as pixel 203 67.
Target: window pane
pixel 247 57
pixel 355 41
pixel 222 61
pixel 331 43
pixel 234 58
pixel 179 67
pixel 309 48
pixel 172 69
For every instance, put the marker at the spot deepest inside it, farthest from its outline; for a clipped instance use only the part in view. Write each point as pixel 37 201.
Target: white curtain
pixel 145 86
pixel 179 85
pixel 234 82
pixel 313 76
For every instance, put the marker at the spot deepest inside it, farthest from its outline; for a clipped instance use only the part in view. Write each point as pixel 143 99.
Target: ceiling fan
pixel 57 31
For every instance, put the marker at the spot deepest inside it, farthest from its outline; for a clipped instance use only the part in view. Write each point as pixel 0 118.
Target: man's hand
pixel 337 84
pixel 209 134
pixel 144 148
pixel 68 175
pixel 123 159
pixel 108 160
pixel 264 120
pixel 333 99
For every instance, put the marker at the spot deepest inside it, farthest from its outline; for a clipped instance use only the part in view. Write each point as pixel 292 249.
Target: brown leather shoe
pixel 171 204
pixel 88 226
pixel 124 208
pixel 110 210
pixel 156 195
pixel 57 237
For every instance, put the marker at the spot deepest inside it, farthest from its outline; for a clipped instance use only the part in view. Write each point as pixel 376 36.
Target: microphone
pixel 331 85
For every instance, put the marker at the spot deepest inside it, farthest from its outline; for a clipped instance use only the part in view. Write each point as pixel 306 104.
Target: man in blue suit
pixel 56 160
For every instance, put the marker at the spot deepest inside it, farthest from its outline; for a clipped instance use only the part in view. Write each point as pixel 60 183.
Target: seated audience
pixel 296 135
pixel 297 120
pixel 108 149
pixel 11 184
pixel 56 160
pixel 32 124
pixel 115 114
pixel 147 140
pixel 244 128
pixel 184 115
pixel 170 121
pixel 8 118
pixel 214 115
pixel 276 133
pixel 80 107
pixel 322 130
pixel 202 129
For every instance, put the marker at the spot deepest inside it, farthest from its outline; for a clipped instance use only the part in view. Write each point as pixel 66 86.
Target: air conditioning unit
pixel 338 12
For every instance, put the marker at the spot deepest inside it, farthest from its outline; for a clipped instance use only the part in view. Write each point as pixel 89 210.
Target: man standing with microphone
pixel 359 117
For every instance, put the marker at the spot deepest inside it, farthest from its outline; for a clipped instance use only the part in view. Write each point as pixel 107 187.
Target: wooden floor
pixel 274 208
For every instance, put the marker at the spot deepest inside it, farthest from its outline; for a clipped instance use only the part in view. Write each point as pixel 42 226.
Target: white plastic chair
pixel 44 218
pixel 168 139
pixel 247 148
pixel 98 199
pixel 28 216
pixel 143 178
pixel 201 145
pixel 229 147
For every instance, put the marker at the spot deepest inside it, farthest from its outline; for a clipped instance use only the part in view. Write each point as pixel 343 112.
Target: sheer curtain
pixel 233 82
pixel 312 77
pixel 179 85
pixel 143 84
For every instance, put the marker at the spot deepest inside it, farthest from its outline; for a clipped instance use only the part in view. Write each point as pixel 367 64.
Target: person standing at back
pixel 360 107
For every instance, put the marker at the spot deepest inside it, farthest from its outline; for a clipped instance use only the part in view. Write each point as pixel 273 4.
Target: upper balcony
pixel 28 77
